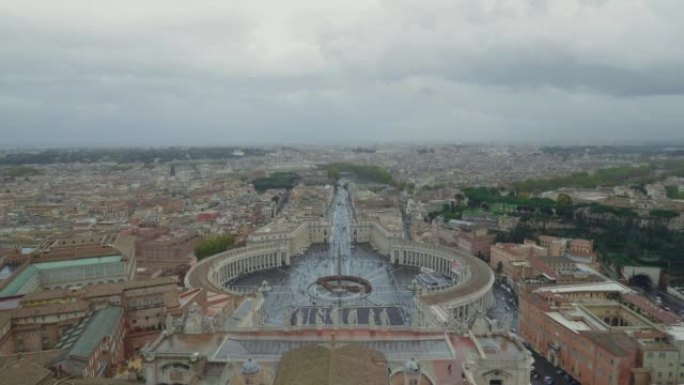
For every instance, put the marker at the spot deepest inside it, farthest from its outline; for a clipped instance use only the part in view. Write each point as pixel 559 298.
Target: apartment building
pixel 599 336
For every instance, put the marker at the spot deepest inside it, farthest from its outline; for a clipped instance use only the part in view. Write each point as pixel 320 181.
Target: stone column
pixel 150 368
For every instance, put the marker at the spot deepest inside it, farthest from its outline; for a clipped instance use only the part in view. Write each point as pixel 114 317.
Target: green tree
pixel 521 232
pixel 363 172
pixel 673 192
pixel 459 198
pixel 564 200
pixel 214 245
pixel 276 180
pixel 664 214
pixel 564 206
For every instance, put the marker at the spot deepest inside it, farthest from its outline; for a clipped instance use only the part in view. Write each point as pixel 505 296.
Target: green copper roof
pixel 77 262
pixel 14 287
pixel 16 284
pixel 101 325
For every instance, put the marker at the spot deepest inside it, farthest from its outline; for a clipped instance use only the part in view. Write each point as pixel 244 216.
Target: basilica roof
pixel 319 365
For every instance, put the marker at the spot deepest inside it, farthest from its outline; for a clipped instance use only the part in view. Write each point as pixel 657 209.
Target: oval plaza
pixel 345 273
pixel 337 292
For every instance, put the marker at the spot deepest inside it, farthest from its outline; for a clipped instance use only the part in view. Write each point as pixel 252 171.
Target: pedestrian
pixel 449 368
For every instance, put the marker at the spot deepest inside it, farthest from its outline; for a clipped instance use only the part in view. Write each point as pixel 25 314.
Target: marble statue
pixel 299 317
pixel 194 321
pixel 371 317
pixel 353 317
pixel 333 315
pixel 169 324
pixel 384 317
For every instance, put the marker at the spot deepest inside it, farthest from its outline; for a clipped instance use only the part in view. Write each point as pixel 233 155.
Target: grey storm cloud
pixel 78 72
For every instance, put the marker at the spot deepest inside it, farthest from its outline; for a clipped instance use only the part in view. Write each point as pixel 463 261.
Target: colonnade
pixel 468 310
pixel 249 264
pixel 470 292
pixel 437 263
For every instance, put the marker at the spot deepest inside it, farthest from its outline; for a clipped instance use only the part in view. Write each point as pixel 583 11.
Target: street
pixel 505 303
pixel 660 298
pixel 545 368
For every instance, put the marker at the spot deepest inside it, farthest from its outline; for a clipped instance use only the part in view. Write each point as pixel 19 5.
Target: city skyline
pixel 500 265
pixel 125 73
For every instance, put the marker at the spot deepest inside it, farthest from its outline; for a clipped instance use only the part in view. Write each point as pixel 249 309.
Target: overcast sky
pixel 197 72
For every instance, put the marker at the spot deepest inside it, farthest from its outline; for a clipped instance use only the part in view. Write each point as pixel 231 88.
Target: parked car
pixel 548 380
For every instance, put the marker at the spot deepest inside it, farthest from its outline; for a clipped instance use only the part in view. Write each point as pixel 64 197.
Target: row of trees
pixel 127 155
pixel 19 171
pixel 619 240
pixel 448 212
pixel 673 192
pixel 605 177
pixel 214 245
pixel 621 235
pixel 488 199
pixel 481 195
pixel 496 200
pixel 612 176
pixel 365 173
pixel 276 180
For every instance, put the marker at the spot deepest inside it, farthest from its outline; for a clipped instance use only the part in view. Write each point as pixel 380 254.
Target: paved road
pixel 505 303
pixel 675 304
pixel 545 368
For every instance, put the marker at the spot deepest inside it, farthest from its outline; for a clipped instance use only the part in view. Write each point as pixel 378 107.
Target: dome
pixel 250 367
pixel 411 366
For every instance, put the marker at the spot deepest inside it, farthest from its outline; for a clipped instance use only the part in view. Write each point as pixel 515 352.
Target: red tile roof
pixel 651 310
pixel 540 265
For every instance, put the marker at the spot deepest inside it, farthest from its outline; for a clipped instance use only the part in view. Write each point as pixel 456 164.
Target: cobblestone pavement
pixel 293 287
